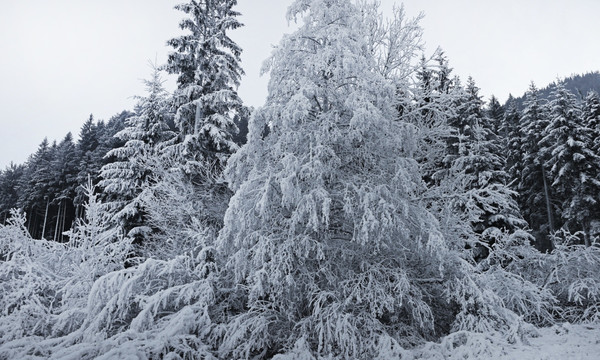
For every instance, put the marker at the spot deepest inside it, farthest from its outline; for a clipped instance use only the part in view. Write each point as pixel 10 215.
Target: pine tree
pixel 534 186
pixel 9 183
pixel 495 112
pixel 125 178
pixel 478 155
pixel 63 172
pixel 432 103
pixel 591 117
pixel 511 135
pixel 89 139
pixel 206 62
pixel 573 165
pixel 34 187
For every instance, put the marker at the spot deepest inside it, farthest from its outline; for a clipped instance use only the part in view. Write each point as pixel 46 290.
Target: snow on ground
pixel 559 342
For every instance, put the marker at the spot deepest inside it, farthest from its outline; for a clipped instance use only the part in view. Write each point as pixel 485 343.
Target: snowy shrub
pixel 45 284
pixel 31 272
pixel 513 269
pixel 162 309
pixel 574 278
pixel 184 215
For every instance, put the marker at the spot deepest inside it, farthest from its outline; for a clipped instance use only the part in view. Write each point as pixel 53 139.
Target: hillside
pixel 579 85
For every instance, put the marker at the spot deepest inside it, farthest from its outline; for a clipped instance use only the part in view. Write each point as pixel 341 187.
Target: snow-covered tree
pixel 591 118
pixel 433 103
pixel 476 152
pixel 63 171
pixel 9 185
pixel 495 112
pixel 534 185
pixel 124 179
pixel 206 62
pixel 511 138
pixel 573 164
pixel 327 236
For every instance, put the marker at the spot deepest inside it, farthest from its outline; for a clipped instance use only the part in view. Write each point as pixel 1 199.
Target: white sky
pixel 61 60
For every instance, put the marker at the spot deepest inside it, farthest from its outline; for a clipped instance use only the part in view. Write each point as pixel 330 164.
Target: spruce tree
pixel 534 186
pixel 511 135
pixel 591 118
pixel 9 185
pixel 477 153
pixel 495 112
pixel 572 162
pixel 125 178
pixel 206 62
pixel 34 187
pixel 63 171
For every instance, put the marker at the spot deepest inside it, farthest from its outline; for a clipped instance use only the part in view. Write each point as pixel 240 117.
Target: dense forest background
pixel 48 187
pixel 374 204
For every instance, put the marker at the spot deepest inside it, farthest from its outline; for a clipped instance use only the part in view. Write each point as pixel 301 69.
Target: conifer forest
pixel 375 207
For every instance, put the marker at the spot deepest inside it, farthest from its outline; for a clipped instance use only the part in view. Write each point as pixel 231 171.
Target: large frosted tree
pixel 328 236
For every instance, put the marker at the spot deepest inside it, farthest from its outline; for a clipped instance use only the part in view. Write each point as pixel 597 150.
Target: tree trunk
pixel 586 233
pixel 45 218
pixel 57 220
pixel 548 205
pixel 62 225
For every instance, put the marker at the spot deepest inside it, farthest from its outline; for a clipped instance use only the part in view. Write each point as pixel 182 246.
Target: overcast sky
pixel 61 60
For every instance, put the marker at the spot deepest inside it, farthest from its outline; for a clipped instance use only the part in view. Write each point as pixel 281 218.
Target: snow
pixel 559 342
pixel 563 341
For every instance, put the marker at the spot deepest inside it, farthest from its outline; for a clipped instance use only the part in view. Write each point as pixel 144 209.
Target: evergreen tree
pixel 432 104
pixel 511 135
pixel 34 187
pixel 9 184
pixel 573 165
pixel 89 139
pixel 478 155
pixel 206 62
pixel 534 186
pixel 591 118
pixel 495 112
pixel 124 179
pixel 63 172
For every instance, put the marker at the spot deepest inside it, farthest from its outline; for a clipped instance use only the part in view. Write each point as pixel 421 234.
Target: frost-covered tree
pixel 124 179
pixel 206 62
pixel 433 103
pixel 534 185
pixel 9 184
pixel 591 118
pixel 328 238
pixel 476 151
pixel 573 164
pixel 63 171
pixel 34 187
pixel 45 284
pixel 511 138
pixel 495 112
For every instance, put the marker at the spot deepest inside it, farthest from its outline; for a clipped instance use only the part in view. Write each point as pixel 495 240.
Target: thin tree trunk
pixel 586 234
pixel 29 217
pixel 57 220
pixel 548 205
pixel 45 218
pixel 62 227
